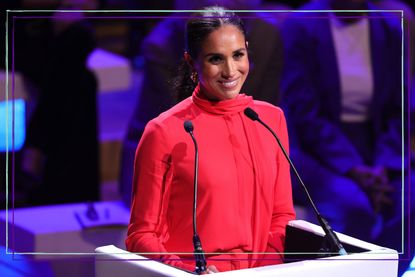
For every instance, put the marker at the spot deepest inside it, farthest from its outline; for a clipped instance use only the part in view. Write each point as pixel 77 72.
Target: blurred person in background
pixel 409 25
pixel 60 158
pixel 342 93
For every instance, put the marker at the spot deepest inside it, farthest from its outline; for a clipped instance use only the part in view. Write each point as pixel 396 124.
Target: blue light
pixel 411 270
pixel 19 265
pixel 409 274
pixel 19 124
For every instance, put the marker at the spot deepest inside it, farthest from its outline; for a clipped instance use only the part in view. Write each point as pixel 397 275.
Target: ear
pixel 188 59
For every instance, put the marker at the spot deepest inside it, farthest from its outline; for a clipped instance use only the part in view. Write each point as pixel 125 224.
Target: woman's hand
pixel 210 269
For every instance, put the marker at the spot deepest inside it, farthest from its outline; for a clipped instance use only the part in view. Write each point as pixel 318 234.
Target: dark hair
pixel 198 27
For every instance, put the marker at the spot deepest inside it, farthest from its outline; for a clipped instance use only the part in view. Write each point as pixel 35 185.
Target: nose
pixel 229 69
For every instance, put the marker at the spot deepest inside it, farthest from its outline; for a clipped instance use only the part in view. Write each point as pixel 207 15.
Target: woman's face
pixel 222 64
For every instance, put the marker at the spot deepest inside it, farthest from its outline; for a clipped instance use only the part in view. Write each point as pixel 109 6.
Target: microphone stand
pixel 197 244
pixel 331 237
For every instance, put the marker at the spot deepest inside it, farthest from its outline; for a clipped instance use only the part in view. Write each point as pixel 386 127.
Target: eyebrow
pixel 242 49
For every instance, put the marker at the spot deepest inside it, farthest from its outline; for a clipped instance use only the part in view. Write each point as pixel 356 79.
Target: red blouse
pixel 244 187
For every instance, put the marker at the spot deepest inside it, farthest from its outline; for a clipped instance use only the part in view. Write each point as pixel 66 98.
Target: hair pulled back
pixel 198 28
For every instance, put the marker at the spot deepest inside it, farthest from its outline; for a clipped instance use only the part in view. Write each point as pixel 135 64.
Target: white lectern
pixel 364 259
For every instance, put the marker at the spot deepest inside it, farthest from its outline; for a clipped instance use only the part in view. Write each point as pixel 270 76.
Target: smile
pixel 229 84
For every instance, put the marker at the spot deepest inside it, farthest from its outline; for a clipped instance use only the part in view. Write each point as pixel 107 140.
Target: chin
pixel 219 94
pixel 230 95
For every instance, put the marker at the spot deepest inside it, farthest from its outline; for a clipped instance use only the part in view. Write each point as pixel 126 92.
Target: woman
pixel 244 188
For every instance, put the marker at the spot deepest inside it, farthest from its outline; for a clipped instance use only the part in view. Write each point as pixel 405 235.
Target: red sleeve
pixel 283 210
pixel 152 176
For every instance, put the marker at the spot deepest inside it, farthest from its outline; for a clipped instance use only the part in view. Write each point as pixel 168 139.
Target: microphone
pixel 333 240
pixel 197 244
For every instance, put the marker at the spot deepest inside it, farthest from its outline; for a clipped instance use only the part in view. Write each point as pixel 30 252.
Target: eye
pixel 238 55
pixel 215 59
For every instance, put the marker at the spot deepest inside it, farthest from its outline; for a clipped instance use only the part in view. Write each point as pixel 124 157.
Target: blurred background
pixel 78 112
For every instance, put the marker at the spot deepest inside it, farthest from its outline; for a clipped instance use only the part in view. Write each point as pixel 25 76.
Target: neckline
pixel 229 106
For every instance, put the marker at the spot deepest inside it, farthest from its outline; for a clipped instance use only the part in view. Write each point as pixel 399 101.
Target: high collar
pixel 230 106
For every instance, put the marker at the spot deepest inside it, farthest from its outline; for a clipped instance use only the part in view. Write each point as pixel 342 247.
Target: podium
pixel 303 240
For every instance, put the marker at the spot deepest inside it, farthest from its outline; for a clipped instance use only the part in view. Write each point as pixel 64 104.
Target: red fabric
pixel 244 188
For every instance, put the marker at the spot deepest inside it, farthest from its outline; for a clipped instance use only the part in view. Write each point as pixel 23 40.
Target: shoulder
pixel 386 22
pixel 173 116
pixel 163 32
pixel 259 26
pixel 166 31
pixel 267 110
pixel 161 134
pixel 306 19
pixel 395 5
pixel 167 128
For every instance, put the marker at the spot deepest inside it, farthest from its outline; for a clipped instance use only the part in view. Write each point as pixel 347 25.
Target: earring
pixel 194 77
